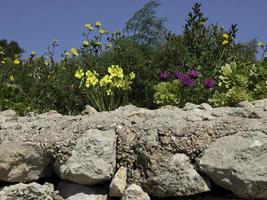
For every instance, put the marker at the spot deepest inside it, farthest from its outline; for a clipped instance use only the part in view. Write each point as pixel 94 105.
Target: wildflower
pixel 115 71
pixel 79 73
pixel 17 61
pixel 225 42
pixel 102 31
pixel 105 80
pixel 11 78
pixel 225 36
pixel 86 43
pixel 98 24
pixel 3 62
pixel 132 75
pixel 46 63
pixel 91 78
pixel 193 73
pixel 89 27
pixel 33 53
pixel 109 92
pixel 209 83
pixel 164 75
pixel 67 54
pixel 178 74
pixel 97 43
pixel 187 80
pixel 260 44
pixel 120 84
pixel 74 52
pixel 108 46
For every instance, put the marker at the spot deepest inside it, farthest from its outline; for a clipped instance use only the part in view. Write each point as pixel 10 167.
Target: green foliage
pixel 167 93
pixel 11 49
pixel 12 97
pixel 145 27
pixel 239 82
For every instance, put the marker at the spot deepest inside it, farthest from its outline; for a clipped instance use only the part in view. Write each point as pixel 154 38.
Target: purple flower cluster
pixel 185 79
pixel 188 79
pixel 209 83
pixel 164 75
pixel 193 73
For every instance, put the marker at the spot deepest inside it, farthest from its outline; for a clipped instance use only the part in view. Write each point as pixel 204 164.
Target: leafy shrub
pixel 239 82
pixel 167 93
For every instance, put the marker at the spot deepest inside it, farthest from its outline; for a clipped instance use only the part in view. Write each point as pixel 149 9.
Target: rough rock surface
pixel 93 159
pixel 173 175
pixel 134 192
pixel 142 134
pixel 238 163
pixel 22 162
pixel 32 191
pixel 118 183
pixel 73 191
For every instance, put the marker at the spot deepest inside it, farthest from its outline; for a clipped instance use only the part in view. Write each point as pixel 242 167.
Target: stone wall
pixel 197 152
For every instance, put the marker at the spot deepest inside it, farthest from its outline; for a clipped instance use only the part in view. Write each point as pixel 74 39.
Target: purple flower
pixel 209 83
pixel 178 74
pixel 164 75
pixel 184 78
pixel 193 73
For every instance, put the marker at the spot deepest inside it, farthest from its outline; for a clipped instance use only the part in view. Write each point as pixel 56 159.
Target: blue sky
pixel 35 23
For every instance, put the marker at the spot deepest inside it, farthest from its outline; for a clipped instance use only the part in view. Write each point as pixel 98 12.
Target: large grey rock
pixel 118 183
pixel 22 162
pixel 238 163
pixel 93 159
pixel 73 191
pixel 134 192
pixel 32 191
pixel 173 175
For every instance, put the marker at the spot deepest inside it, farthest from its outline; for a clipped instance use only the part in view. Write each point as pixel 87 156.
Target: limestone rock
pixel 238 163
pixel 73 191
pixel 22 162
pixel 32 191
pixel 118 183
pixel 89 111
pixel 93 159
pixel 134 192
pixel 173 175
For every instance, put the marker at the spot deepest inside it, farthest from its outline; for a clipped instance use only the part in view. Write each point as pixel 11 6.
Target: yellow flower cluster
pixel 114 79
pixel 74 52
pixel 115 71
pixel 89 27
pixel 91 78
pixel 225 38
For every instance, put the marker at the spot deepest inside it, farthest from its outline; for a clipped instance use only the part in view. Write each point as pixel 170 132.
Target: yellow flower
pixel 79 73
pixel 121 84
pixel 97 43
pixel 11 78
pixel 74 52
pixel 109 92
pixel 225 36
pixel 132 75
pixel 115 71
pixel 108 46
pixel 261 44
pixel 91 78
pixel 225 42
pixel 89 27
pixel 17 61
pixel 67 53
pixel 46 63
pixel 105 80
pixel 102 31
pixel 33 53
pixel 86 43
pixel 98 24
pixel 3 62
